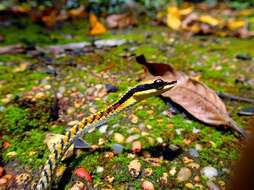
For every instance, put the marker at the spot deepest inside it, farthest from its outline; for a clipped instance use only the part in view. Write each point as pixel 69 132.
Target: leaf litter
pixel 192 95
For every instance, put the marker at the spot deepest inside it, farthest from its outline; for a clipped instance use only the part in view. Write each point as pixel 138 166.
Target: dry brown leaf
pixel 121 20
pixel 95 26
pixel 77 12
pixel 195 97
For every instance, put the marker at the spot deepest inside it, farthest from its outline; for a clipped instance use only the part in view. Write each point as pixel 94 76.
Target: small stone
pixel 198 147
pixel 118 137
pixel 99 169
pixel 117 148
pixel 209 172
pixel 193 153
pixel 184 174
pixel 1 171
pixel 195 130
pixel 148 171
pixel 78 185
pixel 212 185
pixel 101 141
pixel 147 185
pixel 159 140
pixel 134 168
pixel 172 171
pixel 133 118
pixel 136 146
pixel 110 88
pixel 3 181
pixel 189 185
pixel 187 160
pixel 83 173
pixel 179 131
pixel 132 138
pixel 197 178
pixel 103 129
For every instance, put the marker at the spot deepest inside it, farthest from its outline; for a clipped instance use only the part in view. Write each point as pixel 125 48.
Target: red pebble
pixel 1 171
pixel 83 173
pixel 6 144
pixel 136 146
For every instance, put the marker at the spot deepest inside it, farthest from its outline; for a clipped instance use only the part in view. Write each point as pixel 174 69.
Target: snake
pixel 134 95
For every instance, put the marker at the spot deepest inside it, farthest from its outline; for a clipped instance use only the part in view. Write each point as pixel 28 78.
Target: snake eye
pixel 159 84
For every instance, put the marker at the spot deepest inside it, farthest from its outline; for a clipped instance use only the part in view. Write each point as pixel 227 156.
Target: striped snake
pixel 134 95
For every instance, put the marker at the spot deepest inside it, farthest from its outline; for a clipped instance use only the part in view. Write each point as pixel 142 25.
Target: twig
pixel 235 98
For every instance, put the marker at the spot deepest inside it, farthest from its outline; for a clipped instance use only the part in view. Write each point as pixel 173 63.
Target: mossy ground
pixel 25 125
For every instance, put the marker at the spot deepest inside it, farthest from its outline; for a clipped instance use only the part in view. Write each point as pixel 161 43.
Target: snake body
pixel 133 96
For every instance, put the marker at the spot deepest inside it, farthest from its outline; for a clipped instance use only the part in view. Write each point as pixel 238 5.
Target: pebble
pixel 212 185
pixel 198 147
pixel 197 178
pixel 78 185
pixel 117 148
pixel 172 171
pixel 194 165
pixel 3 181
pixel 184 174
pixel 136 146
pixel 209 172
pixel 134 168
pixel 147 185
pixel 83 173
pixel 99 169
pixel 193 153
pixel 103 129
pixel 110 88
pixel 1 171
pixel 119 138
pixel 159 140
pixel 195 130
pixel 132 138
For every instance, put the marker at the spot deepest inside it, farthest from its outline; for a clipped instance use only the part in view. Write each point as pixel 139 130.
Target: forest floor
pixel 177 151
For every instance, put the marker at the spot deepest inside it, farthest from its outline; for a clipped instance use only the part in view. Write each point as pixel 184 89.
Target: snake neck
pixel 60 148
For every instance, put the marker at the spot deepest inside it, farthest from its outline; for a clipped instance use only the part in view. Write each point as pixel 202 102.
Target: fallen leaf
pixel 195 97
pixel 77 12
pixel 235 24
pixel 95 26
pixel 209 20
pixel 173 18
pixel 121 20
pixel 50 20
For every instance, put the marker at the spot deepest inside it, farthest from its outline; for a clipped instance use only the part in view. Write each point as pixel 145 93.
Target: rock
pixel 209 172
pixel 198 147
pixel 78 185
pixel 3 182
pixel 117 148
pixel 132 138
pixel 119 138
pixel 159 140
pixel 83 173
pixel 193 153
pixel 147 185
pixel 212 186
pixel 136 146
pixel 172 171
pixel 1 171
pixel 103 129
pixel 110 88
pixel 23 178
pixel 134 168
pixel 195 130
pixel 197 178
pixel 184 174
pixel 99 169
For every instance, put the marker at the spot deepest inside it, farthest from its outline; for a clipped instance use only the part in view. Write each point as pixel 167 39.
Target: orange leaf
pixel 95 26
